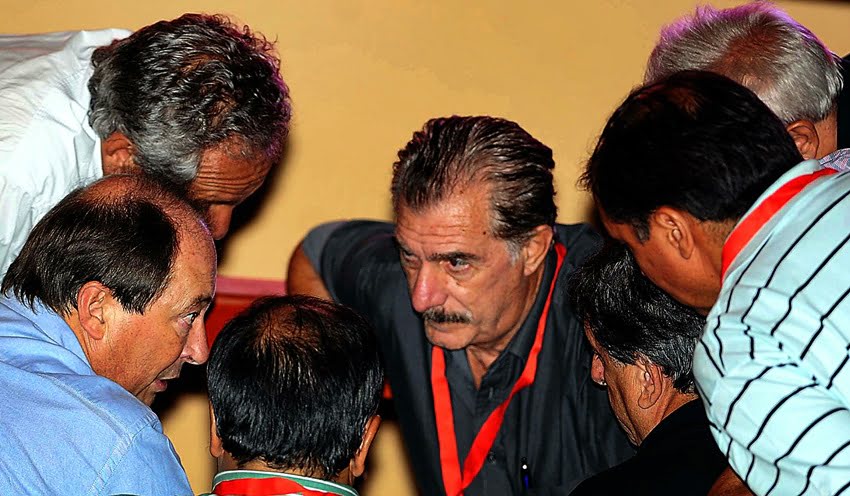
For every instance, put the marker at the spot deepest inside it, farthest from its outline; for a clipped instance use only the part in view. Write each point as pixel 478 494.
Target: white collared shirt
pixel 47 148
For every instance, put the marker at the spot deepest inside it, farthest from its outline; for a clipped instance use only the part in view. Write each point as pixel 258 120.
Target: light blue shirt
pixel 772 365
pixel 66 430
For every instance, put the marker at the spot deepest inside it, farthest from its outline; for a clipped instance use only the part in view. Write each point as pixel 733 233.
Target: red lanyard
pixel 263 487
pixel 751 224
pixel 453 480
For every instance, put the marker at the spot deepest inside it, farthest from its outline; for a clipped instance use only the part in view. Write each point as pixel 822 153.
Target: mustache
pixel 439 316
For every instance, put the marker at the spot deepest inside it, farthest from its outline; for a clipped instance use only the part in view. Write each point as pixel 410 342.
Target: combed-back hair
pixel 630 317
pixel 759 46
pixel 128 242
pixel 696 141
pixel 293 381
pixel 178 88
pixel 452 152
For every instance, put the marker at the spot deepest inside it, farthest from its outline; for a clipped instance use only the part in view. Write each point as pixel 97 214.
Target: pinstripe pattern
pixel 772 362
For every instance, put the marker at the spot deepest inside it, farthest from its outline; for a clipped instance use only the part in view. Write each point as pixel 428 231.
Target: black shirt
pixel 679 457
pixel 562 424
pixel 844 106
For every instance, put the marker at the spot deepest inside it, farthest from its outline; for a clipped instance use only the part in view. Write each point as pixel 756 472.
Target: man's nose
pixel 218 219
pixel 197 349
pixel 428 288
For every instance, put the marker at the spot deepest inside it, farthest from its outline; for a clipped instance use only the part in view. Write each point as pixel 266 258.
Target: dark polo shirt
pixel 562 424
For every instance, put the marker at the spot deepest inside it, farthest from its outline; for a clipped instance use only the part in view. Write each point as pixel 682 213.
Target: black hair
pixel 454 151
pixel 126 242
pixel 695 141
pixel 630 317
pixel 178 88
pixel 293 381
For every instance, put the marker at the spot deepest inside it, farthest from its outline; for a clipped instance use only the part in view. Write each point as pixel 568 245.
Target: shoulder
pixel 352 246
pixel 580 240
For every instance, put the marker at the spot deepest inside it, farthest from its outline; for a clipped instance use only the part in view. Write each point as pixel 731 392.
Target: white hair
pixel 762 48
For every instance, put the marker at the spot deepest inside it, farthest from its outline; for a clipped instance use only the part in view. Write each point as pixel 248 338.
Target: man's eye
pixel 457 263
pixel 190 318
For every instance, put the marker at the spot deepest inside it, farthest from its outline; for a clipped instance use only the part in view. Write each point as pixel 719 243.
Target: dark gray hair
pixel 759 46
pixel 178 88
pixel 631 318
pixel 127 241
pixel 454 151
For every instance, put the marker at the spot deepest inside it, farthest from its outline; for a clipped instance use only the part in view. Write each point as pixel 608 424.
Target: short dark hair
pixel 127 242
pixel 293 381
pixel 695 141
pixel 455 151
pixel 630 317
pixel 178 88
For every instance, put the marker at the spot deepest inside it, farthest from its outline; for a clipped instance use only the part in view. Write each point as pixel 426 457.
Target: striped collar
pixel 331 488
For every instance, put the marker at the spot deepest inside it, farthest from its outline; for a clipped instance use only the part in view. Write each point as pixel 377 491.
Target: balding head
pixel 124 231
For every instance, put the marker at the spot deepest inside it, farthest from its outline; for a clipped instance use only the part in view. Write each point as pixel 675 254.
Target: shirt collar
pixel 520 345
pixel 838 160
pixel 307 482
pixel 49 326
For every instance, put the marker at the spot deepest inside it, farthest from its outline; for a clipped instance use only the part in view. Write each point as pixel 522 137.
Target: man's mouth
pixel 438 316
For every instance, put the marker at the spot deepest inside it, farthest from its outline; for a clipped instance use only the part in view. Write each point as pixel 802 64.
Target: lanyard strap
pixel 453 480
pixel 751 224
pixel 263 487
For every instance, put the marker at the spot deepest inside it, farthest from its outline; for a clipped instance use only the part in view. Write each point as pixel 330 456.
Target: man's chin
pixel 448 336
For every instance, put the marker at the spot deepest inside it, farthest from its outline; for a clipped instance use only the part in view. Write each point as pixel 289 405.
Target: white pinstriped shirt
pixel 772 364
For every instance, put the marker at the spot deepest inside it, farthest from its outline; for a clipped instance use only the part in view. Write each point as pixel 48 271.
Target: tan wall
pixel 365 74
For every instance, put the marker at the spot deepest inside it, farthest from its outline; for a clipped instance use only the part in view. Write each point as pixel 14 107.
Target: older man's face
pixel 150 349
pixel 623 384
pixel 226 177
pixel 464 281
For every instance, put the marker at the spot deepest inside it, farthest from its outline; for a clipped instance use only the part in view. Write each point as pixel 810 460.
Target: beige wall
pixel 365 74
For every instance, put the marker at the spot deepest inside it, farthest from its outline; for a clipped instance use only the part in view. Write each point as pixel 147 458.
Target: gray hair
pixel 179 88
pixel 760 47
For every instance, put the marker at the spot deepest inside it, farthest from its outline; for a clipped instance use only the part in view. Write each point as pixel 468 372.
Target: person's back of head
pixel 294 386
pixel 760 46
pixel 122 231
pixel 757 45
pixel 630 318
pixel 643 342
pixel 179 88
pixel 696 141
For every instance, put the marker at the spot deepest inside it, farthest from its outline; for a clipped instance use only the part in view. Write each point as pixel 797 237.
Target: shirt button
pixel 491 458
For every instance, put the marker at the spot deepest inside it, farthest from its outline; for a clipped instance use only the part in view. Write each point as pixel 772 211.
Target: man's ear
pixel 357 465
pixel 805 136
pixel 118 155
pixel 216 447
pixel 675 228
pixel 535 248
pixel 93 299
pixel 651 383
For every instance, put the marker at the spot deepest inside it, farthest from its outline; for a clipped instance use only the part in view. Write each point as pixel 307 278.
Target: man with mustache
pixel 104 305
pixel 488 364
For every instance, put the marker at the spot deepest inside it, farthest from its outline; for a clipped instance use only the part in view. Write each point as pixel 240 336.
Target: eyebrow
pixel 452 255
pixel 441 257
pixel 199 301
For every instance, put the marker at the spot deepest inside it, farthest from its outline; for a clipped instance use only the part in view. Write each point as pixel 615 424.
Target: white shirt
pixel 772 363
pixel 47 148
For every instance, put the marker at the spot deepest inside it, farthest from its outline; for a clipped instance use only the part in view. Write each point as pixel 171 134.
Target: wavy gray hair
pixel 759 46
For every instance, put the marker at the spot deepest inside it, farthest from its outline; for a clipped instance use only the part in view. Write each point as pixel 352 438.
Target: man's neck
pixel 667 406
pixel 260 466
pixel 482 356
